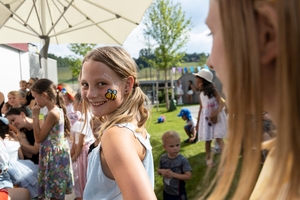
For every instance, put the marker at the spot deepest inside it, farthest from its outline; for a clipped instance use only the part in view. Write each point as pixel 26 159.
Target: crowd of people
pixel 255 55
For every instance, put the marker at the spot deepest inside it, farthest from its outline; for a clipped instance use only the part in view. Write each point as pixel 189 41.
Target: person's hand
pixel 169 173
pixel 164 172
pixel 74 158
pixel 36 110
pixel 213 119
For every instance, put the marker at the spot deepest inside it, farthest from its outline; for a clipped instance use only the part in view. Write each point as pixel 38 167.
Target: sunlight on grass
pixel 195 153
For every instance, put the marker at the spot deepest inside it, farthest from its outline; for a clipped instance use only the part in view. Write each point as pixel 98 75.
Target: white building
pixel 18 63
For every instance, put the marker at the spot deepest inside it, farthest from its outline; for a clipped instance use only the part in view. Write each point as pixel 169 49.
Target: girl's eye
pixel 84 85
pixel 210 34
pixel 101 84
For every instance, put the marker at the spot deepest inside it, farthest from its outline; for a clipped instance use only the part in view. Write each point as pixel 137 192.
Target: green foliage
pixel 81 49
pixel 75 65
pixel 61 62
pixel 202 59
pixel 167 26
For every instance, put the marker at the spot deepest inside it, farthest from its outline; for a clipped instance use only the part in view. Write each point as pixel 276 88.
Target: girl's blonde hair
pixel 14 93
pixel 241 48
pixel 124 66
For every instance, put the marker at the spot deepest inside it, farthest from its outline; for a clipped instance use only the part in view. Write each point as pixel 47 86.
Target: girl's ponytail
pixel 60 104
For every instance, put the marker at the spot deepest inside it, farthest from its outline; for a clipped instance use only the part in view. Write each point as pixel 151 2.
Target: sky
pixel 199 42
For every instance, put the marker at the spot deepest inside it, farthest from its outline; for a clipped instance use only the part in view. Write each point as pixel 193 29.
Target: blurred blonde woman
pixel 255 53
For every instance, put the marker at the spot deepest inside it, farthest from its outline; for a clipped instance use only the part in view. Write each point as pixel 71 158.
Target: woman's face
pixel 101 88
pixel 217 59
pixel 17 120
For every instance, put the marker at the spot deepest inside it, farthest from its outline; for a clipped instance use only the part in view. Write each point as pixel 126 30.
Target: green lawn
pixel 195 153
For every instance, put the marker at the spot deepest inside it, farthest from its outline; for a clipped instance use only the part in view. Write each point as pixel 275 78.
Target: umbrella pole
pixel 45 46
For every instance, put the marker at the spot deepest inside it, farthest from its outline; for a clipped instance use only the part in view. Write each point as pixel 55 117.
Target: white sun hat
pixel 206 74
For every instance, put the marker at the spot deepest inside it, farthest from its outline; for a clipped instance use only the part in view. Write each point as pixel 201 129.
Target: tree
pixel 202 59
pixel 168 30
pixel 80 50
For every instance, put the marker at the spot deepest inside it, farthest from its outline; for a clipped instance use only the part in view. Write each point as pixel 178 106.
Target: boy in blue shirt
pixel 190 127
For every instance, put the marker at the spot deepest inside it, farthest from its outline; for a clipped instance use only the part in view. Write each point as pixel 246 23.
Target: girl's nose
pixel 91 93
pixel 209 64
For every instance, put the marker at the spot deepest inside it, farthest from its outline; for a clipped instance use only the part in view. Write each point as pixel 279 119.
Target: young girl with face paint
pixel 256 48
pixel 121 166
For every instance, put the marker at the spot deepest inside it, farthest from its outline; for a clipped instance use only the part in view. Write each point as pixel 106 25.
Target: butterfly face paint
pixel 111 94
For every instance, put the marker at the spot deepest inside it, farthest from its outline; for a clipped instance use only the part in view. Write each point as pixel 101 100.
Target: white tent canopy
pixel 69 21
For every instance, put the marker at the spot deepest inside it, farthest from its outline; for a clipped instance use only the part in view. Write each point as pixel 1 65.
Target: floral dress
pixel 208 131
pixel 55 176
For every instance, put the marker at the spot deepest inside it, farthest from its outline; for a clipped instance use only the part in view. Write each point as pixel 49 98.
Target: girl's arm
pixel 214 114
pixel 123 154
pixel 29 148
pixel 20 153
pixel 73 149
pixel 41 133
pixel 199 112
pixel 78 147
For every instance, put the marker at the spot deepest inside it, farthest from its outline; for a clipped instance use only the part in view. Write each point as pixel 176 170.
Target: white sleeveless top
pixel 98 186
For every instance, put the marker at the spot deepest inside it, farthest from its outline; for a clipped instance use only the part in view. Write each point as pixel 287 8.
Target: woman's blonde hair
pixel 241 48
pixel 133 106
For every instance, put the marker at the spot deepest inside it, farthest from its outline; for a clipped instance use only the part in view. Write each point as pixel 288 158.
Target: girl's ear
pixel 129 84
pixel 44 94
pixel 267 32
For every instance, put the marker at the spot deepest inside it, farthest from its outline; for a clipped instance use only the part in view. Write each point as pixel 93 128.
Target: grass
pixel 195 153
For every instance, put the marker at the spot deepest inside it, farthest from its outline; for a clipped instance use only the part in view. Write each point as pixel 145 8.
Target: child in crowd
pixel 95 123
pixel 5 108
pixel 23 173
pixel 179 92
pixel 121 166
pixel 174 168
pixel 29 98
pixel 6 186
pixel 2 101
pixel 190 92
pixel 14 101
pixel 68 96
pixel 190 127
pixel 211 116
pixel 55 178
pixel 83 138
pixel 23 91
pixel 24 126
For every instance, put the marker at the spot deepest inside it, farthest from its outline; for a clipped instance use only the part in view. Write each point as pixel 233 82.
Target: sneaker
pixel 217 151
pixel 187 140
